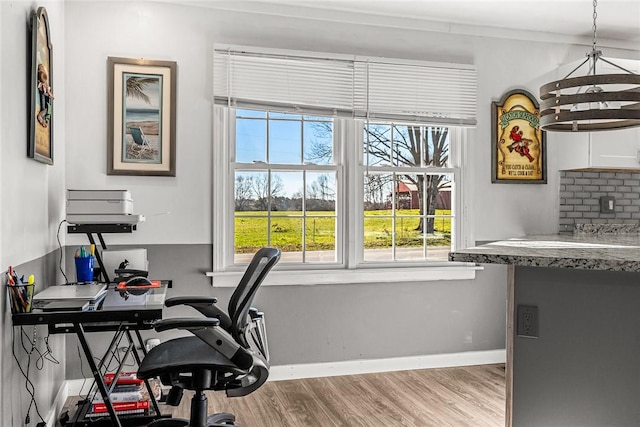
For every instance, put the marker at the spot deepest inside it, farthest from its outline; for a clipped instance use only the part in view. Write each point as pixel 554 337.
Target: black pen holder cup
pixel 20 297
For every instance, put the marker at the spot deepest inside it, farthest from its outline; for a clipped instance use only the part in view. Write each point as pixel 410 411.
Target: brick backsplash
pixel 580 193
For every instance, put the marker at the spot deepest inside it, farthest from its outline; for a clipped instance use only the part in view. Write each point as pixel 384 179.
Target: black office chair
pixel 228 351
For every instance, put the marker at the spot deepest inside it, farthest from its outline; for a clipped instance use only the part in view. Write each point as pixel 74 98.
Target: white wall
pixel 34 189
pixel 31 194
pixel 152 31
pixel 186 35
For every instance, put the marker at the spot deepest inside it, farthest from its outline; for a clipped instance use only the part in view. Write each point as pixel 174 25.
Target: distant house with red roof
pixel 408 196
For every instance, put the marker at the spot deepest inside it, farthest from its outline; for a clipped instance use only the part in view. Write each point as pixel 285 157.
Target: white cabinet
pixel 615 149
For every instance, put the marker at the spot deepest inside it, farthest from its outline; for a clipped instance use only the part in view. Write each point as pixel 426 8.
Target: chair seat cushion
pixel 184 355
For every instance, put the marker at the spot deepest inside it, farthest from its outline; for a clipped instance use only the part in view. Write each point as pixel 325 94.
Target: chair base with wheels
pixel 212 369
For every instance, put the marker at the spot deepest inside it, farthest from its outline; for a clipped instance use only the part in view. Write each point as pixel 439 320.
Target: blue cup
pixel 84 269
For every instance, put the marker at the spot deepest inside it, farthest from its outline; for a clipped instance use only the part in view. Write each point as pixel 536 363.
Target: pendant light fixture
pixel 592 102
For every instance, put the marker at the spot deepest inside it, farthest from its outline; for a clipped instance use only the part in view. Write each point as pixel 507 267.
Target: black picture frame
pixel 41 123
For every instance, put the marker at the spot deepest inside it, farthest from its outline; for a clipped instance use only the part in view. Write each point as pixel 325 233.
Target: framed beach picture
pixel 519 154
pixel 141 122
pixel 40 144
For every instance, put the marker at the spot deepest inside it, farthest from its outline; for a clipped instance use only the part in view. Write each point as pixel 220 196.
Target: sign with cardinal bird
pixel 519 151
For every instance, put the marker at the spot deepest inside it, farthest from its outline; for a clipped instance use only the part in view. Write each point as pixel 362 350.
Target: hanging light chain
pixel 595 15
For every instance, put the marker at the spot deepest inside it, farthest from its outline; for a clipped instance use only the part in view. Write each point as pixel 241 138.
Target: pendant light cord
pixel 595 28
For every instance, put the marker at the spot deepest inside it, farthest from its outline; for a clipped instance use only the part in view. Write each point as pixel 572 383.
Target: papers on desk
pixel 87 292
pixel 66 305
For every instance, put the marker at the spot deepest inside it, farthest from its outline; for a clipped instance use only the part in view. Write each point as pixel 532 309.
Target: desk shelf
pixel 99 230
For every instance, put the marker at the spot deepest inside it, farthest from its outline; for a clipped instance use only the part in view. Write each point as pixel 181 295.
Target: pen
pixel 30 285
pixel 11 274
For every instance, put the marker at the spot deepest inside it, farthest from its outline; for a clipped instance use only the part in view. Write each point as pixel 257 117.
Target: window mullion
pixel 353 187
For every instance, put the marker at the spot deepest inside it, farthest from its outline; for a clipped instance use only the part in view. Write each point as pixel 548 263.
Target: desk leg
pixel 96 374
pixel 115 341
pixel 152 398
pixel 105 275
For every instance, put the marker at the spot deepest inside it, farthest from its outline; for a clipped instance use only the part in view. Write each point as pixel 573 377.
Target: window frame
pixel 336 167
pixel 456 148
pixel 349 167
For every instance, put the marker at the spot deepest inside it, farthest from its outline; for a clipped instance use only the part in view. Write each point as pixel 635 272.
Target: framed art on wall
pixel 40 144
pixel 141 117
pixel 518 144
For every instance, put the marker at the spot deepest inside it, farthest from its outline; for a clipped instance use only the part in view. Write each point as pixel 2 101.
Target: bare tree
pixel 325 190
pixel 313 192
pixel 436 153
pixel 266 191
pixel 243 192
pixel 413 146
pixel 320 148
pixel 408 146
pixel 374 191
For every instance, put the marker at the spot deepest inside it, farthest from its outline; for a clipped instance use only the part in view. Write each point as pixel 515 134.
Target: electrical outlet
pixel 607 204
pixel 527 321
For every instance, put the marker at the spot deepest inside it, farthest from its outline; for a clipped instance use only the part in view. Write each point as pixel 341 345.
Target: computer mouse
pixel 138 281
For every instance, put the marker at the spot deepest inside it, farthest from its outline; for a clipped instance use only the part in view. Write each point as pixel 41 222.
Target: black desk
pixel 122 314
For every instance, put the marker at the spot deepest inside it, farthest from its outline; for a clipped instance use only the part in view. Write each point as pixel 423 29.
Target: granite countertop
pixel 592 251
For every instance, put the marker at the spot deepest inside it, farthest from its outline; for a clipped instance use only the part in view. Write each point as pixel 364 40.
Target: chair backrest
pixel 242 297
pixel 137 135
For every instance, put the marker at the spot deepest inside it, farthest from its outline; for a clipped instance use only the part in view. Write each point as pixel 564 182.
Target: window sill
pixel 463 271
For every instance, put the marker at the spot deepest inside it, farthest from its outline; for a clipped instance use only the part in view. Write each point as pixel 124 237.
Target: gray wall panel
pixel 48 379
pixel 331 323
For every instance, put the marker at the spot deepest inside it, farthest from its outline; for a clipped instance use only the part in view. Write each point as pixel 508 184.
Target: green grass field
pixel 286 230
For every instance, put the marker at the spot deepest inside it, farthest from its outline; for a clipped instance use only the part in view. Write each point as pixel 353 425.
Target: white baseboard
pixel 348 367
pixel 54 413
pixel 79 387
pixel 351 367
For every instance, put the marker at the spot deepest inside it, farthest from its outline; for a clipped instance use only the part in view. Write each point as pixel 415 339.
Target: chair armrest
pixel 184 323
pixel 205 305
pixel 170 302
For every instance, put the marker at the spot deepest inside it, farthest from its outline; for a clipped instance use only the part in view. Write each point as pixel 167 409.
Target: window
pixel 290 189
pixel 285 186
pixel 333 185
pixel 408 182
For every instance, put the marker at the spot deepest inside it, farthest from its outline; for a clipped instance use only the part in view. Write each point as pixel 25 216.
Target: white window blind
pixel 441 94
pixel 294 83
pixel 345 86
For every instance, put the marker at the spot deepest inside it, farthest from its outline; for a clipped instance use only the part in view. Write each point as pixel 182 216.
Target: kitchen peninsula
pixel 581 296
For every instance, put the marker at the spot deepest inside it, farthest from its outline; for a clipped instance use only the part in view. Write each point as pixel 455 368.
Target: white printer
pixel 101 207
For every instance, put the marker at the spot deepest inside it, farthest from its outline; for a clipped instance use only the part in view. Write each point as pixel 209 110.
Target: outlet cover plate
pixel 527 316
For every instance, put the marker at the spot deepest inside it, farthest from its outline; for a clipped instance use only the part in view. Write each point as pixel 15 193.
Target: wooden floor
pixel 458 397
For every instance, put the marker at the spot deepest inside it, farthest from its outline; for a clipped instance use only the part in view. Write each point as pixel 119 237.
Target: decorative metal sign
pixel 519 150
